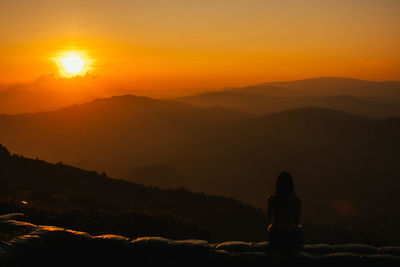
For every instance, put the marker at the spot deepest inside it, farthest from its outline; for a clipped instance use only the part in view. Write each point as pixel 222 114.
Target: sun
pixel 72 63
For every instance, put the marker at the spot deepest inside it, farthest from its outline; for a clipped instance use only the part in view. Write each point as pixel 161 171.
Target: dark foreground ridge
pixel 37 245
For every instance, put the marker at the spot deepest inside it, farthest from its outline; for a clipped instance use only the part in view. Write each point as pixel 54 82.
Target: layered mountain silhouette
pixel 353 96
pixel 336 157
pixel 330 86
pixel 220 142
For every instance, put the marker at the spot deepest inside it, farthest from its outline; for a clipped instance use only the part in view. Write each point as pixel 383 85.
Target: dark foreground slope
pixel 37 245
pixel 37 180
pixel 57 194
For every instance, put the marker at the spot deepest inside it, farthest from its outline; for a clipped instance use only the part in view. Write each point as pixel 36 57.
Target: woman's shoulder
pixel 296 199
pixel 271 198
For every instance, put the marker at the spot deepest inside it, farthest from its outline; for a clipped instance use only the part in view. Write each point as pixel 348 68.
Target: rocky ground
pixel 26 244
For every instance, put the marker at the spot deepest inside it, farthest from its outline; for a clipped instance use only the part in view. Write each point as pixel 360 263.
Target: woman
pixel 283 212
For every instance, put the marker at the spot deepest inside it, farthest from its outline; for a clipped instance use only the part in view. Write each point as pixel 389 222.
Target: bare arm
pixel 298 212
pixel 269 213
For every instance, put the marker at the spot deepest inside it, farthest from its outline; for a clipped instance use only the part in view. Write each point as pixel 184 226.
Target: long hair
pixel 284 185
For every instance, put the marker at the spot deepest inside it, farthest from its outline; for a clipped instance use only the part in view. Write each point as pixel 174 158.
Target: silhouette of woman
pixel 283 212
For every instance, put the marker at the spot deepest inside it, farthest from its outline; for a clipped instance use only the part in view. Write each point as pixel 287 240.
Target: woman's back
pixel 284 212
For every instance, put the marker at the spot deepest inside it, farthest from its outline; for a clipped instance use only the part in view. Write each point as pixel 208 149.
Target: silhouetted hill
pixel 345 162
pixel 45 183
pixel 157 175
pixel 261 104
pixel 241 101
pixel 356 105
pixel 269 90
pixel 389 90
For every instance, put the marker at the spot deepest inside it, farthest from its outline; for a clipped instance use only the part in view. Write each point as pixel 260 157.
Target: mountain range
pixel 342 153
pixel 376 99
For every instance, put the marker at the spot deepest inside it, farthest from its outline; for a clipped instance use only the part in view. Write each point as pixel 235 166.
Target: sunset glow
pixel 72 64
pixel 192 44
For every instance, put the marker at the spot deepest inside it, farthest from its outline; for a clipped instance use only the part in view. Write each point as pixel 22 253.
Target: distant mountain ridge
pixel 376 99
pixel 346 86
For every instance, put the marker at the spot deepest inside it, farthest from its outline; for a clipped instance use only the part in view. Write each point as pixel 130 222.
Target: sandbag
pixel 235 246
pixel 356 248
pixel 380 260
pixel 16 226
pixel 392 250
pixel 318 248
pixel 260 247
pixel 339 258
pixel 12 216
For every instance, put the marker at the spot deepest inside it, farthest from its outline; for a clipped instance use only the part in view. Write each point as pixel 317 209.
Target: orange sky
pixel 185 43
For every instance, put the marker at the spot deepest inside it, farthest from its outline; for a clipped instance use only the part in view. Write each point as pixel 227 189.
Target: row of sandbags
pixel 54 246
